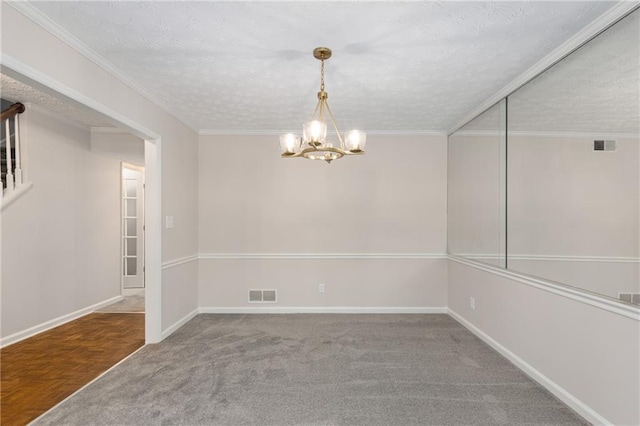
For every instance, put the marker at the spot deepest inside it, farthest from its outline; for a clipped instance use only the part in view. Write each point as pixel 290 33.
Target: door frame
pixel 153 177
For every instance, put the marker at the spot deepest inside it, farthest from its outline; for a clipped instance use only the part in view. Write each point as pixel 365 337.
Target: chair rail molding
pixel 219 256
pixel 598 301
pixel 180 261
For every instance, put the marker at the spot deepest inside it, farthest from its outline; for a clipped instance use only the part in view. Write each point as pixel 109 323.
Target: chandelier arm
pixel 315 111
pixel 323 104
pixel 333 121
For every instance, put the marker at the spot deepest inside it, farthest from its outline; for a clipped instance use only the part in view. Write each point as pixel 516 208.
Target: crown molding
pixel 549 134
pixel 574 135
pixel 607 19
pixel 33 13
pixel 222 132
pixel 215 132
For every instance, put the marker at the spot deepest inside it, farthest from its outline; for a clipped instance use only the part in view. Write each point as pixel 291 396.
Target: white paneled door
pixel 132 226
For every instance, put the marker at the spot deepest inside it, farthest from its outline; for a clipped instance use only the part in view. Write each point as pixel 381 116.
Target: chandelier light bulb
pixel 315 132
pixel 289 144
pixel 355 140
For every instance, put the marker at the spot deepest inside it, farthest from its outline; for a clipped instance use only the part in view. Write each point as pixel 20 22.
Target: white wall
pixel 49 61
pixel 566 199
pixel 573 218
pixel 606 277
pixel 573 214
pixel 390 203
pixel 475 201
pixel 591 353
pixel 116 143
pixel 354 283
pixel 61 240
pixel 577 209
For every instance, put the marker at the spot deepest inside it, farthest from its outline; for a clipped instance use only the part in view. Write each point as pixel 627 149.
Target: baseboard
pixel 176 325
pixel 578 406
pixel 320 256
pixel 297 310
pixel 320 310
pixel 32 331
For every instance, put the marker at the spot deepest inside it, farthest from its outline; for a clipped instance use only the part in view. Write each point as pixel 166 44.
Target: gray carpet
pixel 315 370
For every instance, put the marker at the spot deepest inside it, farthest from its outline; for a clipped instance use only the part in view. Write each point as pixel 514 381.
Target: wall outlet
pixel 321 288
pixel 472 303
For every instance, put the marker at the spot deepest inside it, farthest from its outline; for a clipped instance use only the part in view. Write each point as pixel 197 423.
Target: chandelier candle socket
pixel 314 145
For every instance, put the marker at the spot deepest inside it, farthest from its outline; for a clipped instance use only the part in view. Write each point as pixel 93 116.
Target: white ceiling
pixel 17 91
pixel 248 67
pixel 596 89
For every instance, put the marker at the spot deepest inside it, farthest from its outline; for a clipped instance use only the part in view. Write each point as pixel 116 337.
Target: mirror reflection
pixel 476 188
pixel 573 168
pixel 547 182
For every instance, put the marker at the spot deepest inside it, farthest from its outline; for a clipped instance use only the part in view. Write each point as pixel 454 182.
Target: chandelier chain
pixel 322 76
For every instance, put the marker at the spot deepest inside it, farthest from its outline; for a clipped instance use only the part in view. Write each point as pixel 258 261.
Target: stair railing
pixel 13 167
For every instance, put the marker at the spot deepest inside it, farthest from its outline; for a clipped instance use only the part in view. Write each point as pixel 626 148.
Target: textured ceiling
pixel 247 66
pixel 16 91
pixel 596 89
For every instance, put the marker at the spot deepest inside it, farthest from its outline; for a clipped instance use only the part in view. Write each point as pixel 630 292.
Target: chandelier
pixel 314 145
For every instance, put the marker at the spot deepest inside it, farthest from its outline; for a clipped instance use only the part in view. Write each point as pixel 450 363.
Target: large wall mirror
pixel 573 167
pixel 475 195
pixel 572 211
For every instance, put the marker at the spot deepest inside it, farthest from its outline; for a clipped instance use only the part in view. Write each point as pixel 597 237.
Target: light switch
pixel 169 222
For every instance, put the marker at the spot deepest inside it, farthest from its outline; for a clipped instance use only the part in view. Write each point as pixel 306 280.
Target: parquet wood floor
pixel 39 372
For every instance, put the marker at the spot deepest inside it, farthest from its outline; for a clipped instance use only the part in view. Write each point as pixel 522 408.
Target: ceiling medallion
pixel 313 145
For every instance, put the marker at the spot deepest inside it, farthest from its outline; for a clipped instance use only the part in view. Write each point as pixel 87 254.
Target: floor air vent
pixel 263 296
pixel 630 298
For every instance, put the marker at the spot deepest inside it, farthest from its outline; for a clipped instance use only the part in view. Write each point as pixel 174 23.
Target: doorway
pixel 152 176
